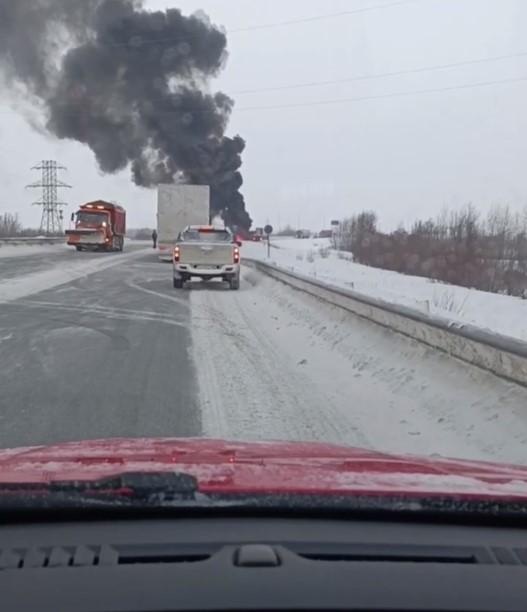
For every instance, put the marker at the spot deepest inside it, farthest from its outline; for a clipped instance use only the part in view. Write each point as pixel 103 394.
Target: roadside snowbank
pixel 499 313
pixel 65 272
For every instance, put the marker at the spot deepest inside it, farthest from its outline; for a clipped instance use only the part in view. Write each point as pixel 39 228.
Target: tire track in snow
pixel 108 313
pixel 274 363
pixel 248 389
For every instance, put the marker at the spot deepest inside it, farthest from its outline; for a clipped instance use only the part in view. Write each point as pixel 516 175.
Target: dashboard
pixel 252 563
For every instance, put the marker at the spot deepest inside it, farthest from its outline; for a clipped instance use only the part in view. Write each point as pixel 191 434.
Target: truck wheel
pixel 234 283
pixel 178 283
pixel 78 248
pixel 121 244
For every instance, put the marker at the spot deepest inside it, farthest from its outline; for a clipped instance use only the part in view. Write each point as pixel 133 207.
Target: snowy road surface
pixel 121 353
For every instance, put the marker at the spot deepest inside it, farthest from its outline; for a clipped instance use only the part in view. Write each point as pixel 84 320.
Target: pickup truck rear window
pixel 206 236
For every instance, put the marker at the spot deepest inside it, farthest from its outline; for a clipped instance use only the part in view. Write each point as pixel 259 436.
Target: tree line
pixel 11 227
pixel 459 247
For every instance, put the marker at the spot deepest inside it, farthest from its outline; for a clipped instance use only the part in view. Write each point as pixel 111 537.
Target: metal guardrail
pixel 504 356
pixel 36 240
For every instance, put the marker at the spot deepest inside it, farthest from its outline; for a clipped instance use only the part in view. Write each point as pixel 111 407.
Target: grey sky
pixel 404 157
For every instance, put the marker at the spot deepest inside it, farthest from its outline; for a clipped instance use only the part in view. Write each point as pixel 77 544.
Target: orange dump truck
pixel 99 226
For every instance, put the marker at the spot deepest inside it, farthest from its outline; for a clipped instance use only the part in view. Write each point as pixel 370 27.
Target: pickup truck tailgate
pixel 203 254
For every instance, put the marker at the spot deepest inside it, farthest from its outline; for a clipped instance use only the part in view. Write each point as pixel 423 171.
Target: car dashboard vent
pixel 169 553
pixel 90 556
pixel 401 553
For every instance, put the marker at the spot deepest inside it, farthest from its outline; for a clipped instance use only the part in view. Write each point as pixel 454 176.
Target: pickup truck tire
pixel 121 244
pixel 234 283
pixel 178 283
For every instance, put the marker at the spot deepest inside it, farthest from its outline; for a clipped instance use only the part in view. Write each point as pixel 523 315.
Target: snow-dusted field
pixel 275 363
pixel 499 313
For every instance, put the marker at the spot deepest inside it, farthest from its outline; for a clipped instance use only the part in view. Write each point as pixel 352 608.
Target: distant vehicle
pixel 256 237
pixel 325 234
pixel 99 226
pixel 241 233
pixel 179 206
pixel 303 234
pixel 206 252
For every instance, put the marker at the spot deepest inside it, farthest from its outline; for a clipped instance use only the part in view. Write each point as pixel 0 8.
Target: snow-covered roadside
pixel 274 363
pixel 499 313
pixel 63 272
pixel 7 251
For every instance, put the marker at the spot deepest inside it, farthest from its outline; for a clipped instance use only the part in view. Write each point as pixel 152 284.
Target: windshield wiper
pixel 128 488
pixel 155 491
pixel 134 484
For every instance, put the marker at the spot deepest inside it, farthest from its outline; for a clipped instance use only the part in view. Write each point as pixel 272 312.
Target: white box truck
pixel 179 206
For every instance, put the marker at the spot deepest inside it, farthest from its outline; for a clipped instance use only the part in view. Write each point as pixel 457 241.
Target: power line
pixel 137 41
pixel 280 24
pixel 381 75
pixel 399 94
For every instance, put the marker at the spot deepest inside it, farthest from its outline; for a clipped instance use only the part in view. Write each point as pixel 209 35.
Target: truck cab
pixel 206 252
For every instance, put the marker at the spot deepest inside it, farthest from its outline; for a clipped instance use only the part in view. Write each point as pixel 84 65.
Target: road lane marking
pixel 115 313
pixel 134 285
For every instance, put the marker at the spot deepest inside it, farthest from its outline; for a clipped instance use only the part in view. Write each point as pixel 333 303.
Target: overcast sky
pixel 402 156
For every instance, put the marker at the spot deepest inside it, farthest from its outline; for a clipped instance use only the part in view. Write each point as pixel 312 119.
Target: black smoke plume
pixel 132 85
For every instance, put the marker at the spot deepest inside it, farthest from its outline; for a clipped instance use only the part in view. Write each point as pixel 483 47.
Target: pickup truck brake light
pixel 176 254
pixel 236 255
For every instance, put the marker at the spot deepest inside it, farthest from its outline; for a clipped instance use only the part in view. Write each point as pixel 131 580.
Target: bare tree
pixel 10 226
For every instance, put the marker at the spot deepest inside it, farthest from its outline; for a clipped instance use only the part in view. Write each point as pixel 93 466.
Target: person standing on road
pixel 154 239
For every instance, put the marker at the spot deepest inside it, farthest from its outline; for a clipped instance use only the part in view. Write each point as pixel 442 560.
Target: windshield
pixel 363 165
pixel 193 235
pixel 92 218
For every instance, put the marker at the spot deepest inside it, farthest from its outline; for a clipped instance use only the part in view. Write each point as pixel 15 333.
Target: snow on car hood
pixel 267 467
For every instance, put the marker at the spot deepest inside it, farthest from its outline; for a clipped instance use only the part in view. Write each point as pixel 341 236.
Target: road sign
pixel 268 229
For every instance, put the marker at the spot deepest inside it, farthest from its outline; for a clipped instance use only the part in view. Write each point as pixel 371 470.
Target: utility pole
pixel 52 214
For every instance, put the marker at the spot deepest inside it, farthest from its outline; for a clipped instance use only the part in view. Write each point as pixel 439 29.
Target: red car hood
pixel 263 468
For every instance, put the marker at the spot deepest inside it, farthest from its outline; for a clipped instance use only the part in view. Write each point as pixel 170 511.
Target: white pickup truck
pixel 206 252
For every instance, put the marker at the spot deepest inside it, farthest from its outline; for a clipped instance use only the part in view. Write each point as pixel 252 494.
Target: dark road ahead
pixel 106 355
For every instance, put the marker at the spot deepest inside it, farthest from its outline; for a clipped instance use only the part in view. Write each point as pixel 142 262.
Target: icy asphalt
pixel 121 353
pixel 103 356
